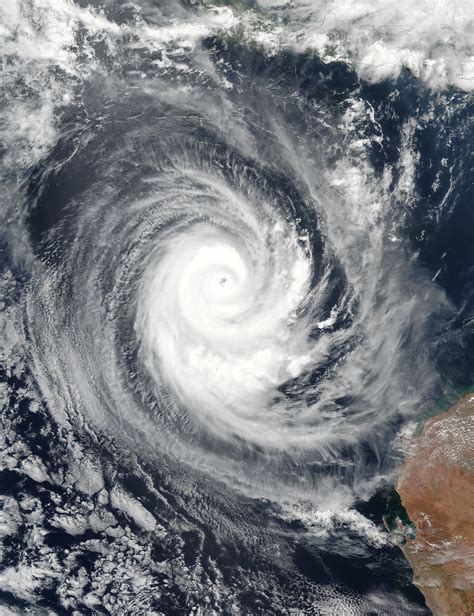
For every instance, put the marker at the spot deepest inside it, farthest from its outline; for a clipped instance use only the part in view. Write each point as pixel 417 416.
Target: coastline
pixel 436 487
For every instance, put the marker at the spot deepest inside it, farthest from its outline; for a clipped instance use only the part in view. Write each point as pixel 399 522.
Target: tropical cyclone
pixel 436 486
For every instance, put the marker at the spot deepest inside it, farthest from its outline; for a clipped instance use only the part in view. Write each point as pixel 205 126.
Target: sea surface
pixel 237 271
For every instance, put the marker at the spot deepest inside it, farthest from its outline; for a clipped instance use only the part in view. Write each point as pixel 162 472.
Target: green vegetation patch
pixel 397 520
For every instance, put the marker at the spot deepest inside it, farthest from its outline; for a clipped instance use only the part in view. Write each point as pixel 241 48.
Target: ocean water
pixel 237 270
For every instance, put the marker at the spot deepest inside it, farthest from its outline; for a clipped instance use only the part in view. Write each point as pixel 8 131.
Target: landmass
pixel 436 486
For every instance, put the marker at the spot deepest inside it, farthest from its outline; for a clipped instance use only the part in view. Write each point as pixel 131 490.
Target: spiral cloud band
pixel 229 317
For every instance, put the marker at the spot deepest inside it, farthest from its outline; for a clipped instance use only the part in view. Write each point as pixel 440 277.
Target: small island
pixel 436 486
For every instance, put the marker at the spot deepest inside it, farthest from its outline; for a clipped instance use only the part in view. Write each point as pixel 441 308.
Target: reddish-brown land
pixel 436 486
